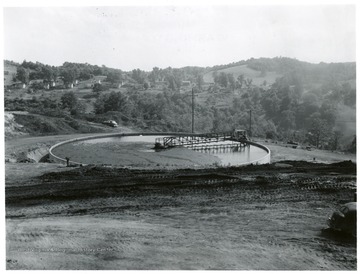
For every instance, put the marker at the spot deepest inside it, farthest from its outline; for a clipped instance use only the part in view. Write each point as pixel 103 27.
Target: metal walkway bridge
pixel 198 141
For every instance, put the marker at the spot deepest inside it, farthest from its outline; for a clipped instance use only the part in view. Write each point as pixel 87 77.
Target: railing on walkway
pixel 236 146
pixel 238 136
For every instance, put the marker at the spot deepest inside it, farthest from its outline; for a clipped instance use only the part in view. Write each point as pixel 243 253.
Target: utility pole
pixel 193 110
pixel 250 124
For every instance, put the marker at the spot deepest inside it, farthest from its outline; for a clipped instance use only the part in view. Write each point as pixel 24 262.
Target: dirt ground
pixel 18 149
pixel 268 217
pixel 284 152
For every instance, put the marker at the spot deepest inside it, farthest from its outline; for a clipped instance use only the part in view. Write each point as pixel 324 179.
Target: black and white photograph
pixel 179 135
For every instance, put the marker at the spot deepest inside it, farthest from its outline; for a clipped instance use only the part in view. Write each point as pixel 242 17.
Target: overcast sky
pixel 145 37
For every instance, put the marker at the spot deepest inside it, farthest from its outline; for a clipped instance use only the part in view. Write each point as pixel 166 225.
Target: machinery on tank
pixel 239 137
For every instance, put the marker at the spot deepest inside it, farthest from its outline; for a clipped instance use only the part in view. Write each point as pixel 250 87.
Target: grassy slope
pixel 37 125
pixel 258 80
pixel 12 71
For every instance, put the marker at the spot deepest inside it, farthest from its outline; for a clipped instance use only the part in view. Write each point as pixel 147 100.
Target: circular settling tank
pixel 130 150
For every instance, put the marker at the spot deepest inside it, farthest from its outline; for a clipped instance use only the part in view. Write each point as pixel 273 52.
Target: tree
pixel 270 103
pixel 172 83
pixel 231 80
pixel 269 129
pixel 22 75
pixel 328 112
pixel 154 75
pixel 69 101
pixel 146 85
pixel 138 75
pixel 215 76
pixel 69 75
pixel 319 130
pixel 248 82
pixel 97 87
pixel 48 73
pixel 349 95
pixel 335 140
pixel 352 146
pixel 240 80
pixel 309 105
pixel 287 119
pixel 99 104
pixel 115 101
pixel 223 79
pixel 218 121
pixel 114 77
pixel 199 81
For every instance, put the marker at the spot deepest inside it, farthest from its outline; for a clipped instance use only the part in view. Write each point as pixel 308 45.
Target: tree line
pixel 304 105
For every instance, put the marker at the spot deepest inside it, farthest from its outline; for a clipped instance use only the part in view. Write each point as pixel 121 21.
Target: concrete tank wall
pixel 56 159
pixel 264 160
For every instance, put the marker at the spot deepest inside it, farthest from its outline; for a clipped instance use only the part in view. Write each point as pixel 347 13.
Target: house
pixel 36 81
pixel 40 84
pixel 98 79
pixel 59 82
pixel 160 84
pixel 185 83
pixel 46 86
pixel 116 85
pixel 18 85
pixel 185 86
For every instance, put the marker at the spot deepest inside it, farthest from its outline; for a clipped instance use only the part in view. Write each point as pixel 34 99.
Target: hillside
pixel 269 69
pixel 314 104
pixel 257 76
pixel 9 73
pixel 23 123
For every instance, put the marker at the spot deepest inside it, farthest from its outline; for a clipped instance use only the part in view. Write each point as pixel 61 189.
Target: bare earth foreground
pixel 255 217
pixel 267 217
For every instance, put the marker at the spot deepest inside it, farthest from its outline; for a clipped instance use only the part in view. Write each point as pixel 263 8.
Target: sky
pixel 129 37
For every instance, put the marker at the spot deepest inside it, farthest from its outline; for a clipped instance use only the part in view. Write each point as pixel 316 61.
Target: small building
pixel 18 85
pixel 59 82
pixel 160 84
pixel 185 83
pixel 36 82
pixel 40 84
pixel 240 134
pixel 99 79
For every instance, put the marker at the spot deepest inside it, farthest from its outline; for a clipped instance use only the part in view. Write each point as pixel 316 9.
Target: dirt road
pixel 251 218
pixel 18 148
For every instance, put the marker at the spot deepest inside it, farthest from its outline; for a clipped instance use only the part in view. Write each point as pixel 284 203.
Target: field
pixel 85 95
pixel 258 80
